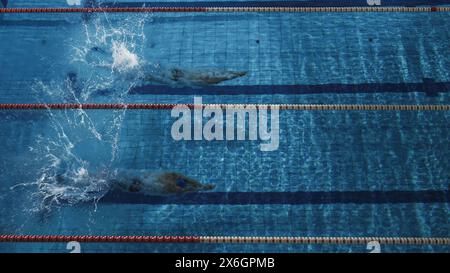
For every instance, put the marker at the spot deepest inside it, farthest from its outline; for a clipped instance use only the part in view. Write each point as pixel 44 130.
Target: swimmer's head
pixel 190 185
pixel 178 183
pixel 240 73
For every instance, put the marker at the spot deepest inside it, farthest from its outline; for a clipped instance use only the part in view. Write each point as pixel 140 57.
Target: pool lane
pixel 290 198
pixel 314 3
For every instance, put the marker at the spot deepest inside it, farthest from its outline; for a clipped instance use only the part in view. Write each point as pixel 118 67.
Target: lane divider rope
pixel 223 9
pixel 156 106
pixel 225 239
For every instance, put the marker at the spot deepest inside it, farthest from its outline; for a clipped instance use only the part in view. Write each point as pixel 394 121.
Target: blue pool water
pixel 336 173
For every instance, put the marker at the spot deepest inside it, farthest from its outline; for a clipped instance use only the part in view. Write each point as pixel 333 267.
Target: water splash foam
pixel 78 143
pixel 123 59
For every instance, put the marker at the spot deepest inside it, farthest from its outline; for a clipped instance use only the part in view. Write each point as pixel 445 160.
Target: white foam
pixel 123 59
pixel 81 174
pixel 74 2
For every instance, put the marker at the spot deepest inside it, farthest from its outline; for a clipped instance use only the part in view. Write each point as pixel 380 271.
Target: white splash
pixel 81 175
pixel 123 59
pixel 65 165
pixel 74 2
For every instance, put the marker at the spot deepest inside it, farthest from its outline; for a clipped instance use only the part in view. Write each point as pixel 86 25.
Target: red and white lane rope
pixel 224 9
pixel 156 106
pixel 225 239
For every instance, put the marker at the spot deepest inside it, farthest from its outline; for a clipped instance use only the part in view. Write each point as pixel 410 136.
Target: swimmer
pixel 149 183
pixel 177 76
pixel 174 76
pixel 84 187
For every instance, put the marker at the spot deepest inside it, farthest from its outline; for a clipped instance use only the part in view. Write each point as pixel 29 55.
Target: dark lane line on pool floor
pixel 283 198
pixel 428 86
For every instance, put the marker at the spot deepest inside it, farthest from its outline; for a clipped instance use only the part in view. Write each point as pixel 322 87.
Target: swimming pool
pixel 349 173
